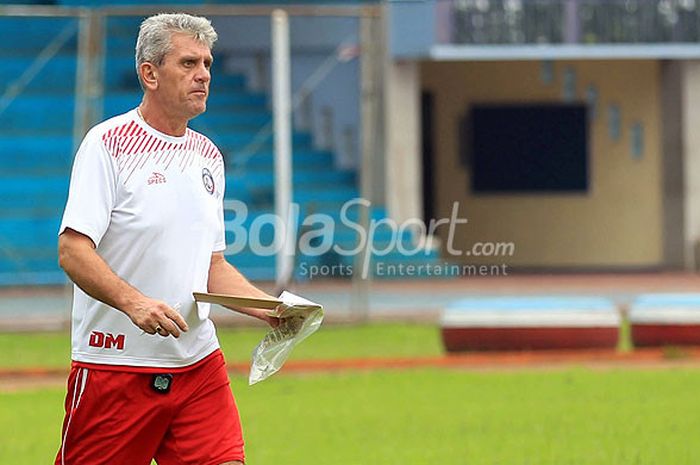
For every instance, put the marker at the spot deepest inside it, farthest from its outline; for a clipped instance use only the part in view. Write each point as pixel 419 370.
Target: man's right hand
pixel 156 317
pixel 77 256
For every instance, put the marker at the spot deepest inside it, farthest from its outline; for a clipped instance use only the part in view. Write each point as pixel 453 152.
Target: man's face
pixel 184 76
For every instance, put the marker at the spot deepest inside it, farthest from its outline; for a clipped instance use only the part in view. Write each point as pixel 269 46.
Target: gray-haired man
pixel 143 229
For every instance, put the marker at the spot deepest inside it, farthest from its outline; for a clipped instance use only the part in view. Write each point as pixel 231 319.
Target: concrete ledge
pixel 665 319
pixel 525 323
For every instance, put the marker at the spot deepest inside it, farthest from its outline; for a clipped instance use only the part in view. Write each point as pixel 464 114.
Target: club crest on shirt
pixel 208 180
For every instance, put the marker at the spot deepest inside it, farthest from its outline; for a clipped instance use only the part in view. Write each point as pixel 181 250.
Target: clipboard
pixel 236 301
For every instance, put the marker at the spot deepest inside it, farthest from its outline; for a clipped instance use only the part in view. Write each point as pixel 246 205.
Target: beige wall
pixel 618 223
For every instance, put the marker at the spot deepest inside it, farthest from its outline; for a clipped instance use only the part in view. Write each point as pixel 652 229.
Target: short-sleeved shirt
pixel 153 206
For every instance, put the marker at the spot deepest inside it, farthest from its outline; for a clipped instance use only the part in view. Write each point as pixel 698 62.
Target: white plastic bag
pixel 299 318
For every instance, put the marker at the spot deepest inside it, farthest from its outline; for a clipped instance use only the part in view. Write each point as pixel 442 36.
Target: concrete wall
pixel 617 223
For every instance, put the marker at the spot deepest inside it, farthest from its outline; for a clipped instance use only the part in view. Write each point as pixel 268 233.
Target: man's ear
pixel 149 75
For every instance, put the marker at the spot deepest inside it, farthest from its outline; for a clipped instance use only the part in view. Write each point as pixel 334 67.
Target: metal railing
pixel 89 90
pixel 16 87
pixel 505 22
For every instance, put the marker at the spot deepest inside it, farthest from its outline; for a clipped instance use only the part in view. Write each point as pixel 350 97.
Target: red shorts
pixel 119 418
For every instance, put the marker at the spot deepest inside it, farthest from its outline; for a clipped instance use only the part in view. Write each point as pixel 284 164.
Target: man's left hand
pixel 264 315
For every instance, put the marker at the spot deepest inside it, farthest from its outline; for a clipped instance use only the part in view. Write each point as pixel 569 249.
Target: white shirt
pixel 153 206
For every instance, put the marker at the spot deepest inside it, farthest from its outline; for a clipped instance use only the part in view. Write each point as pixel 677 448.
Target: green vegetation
pixel 49 350
pixel 52 350
pixel 433 416
pixel 30 426
pixel 342 342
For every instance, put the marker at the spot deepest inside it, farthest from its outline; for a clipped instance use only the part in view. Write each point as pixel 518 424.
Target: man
pixel 142 229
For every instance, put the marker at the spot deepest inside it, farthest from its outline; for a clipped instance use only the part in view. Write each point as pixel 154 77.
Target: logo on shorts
pixel 208 180
pixel 161 383
pixel 156 178
pixel 106 340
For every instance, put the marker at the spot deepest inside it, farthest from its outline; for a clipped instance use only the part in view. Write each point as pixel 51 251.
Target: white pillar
pixel 281 108
pixel 690 82
pixel 404 170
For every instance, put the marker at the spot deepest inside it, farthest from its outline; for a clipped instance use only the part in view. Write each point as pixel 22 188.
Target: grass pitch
pixel 52 350
pixel 562 416
pixel 433 416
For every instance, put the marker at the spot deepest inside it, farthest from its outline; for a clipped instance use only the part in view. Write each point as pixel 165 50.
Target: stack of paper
pixel 299 318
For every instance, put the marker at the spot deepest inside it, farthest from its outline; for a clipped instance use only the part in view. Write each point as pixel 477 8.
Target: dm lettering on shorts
pixel 107 340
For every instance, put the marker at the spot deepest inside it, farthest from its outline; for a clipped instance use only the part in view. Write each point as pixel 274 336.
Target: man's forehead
pixel 184 44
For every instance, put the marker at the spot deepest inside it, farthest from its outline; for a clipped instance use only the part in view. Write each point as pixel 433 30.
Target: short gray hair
pixel 155 32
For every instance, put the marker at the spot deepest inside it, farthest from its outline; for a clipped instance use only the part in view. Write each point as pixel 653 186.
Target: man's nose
pixel 203 74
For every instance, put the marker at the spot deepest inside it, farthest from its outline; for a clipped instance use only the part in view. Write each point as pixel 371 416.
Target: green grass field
pixel 433 416
pixel 563 416
pixel 52 350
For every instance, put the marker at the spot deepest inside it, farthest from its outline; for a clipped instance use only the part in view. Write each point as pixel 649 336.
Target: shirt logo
pixel 106 341
pixel 208 181
pixel 156 178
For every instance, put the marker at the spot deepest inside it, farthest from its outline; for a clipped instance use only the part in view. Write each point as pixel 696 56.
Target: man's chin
pixel 198 109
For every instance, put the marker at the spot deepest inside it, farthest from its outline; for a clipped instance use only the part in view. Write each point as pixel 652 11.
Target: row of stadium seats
pixel 36 149
pixel 35 145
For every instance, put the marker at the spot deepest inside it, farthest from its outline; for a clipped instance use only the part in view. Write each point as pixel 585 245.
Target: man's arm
pixel 224 278
pixel 79 259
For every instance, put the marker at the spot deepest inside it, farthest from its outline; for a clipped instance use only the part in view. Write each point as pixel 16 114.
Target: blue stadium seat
pixel 43 31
